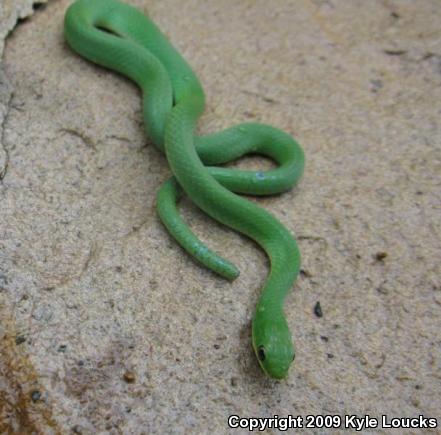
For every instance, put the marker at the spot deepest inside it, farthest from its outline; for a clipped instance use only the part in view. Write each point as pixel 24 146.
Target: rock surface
pixel 108 326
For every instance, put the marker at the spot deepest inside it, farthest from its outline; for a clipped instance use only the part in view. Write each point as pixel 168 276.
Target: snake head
pixel 272 342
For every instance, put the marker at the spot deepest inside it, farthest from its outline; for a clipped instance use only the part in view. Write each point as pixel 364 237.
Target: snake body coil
pixel 118 36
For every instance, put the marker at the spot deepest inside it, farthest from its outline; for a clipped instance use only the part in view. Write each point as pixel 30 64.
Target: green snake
pixel 118 36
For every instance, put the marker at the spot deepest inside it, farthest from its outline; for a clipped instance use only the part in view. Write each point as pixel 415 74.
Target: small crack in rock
pixel 4 169
pixel 88 141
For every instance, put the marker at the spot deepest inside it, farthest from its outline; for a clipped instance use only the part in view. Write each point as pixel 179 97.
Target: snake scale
pixel 119 37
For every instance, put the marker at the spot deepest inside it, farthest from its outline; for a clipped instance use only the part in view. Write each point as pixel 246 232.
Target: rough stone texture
pixel 11 12
pixel 111 328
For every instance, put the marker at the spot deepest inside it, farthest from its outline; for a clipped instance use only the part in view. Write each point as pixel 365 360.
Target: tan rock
pixel 92 287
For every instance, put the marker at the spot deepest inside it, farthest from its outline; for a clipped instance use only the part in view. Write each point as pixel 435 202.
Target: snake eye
pixel 261 353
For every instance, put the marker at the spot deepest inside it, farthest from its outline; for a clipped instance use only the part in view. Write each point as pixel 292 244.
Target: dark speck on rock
pixel 392 52
pixel 35 396
pixel 38 5
pixel 77 429
pixel 318 310
pixel 383 290
pixel 305 273
pixel 380 256
pixel 129 377
pixel 20 339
